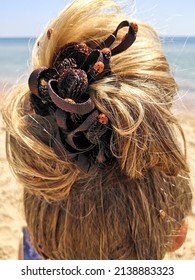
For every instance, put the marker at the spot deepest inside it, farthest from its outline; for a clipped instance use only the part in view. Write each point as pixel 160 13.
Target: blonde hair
pixel 110 213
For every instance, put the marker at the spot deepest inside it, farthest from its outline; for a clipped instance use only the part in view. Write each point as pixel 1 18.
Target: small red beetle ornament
pixel 134 26
pixel 99 67
pixel 49 32
pixel 162 214
pixel 107 53
pixel 102 118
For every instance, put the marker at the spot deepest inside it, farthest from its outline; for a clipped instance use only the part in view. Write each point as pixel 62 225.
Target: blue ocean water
pixel 180 53
pixel 15 61
pixel 15 55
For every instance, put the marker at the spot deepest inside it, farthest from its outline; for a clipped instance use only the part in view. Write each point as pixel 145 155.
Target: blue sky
pixel 23 18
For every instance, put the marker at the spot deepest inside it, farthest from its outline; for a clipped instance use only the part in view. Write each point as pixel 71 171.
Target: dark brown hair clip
pixel 84 133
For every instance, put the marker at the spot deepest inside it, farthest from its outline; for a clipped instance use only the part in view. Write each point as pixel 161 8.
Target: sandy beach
pixel 11 212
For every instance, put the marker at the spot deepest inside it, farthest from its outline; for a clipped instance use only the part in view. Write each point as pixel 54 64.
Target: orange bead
pixel 99 67
pixel 102 118
pixel 107 53
pixel 134 26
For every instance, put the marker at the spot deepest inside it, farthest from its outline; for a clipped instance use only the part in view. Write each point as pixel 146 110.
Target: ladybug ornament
pixel 107 53
pixel 102 118
pixel 134 27
pixel 98 67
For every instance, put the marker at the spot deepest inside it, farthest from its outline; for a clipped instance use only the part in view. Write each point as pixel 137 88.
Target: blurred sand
pixel 11 214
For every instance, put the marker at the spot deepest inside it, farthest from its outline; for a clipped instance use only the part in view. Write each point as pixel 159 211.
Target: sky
pixel 23 18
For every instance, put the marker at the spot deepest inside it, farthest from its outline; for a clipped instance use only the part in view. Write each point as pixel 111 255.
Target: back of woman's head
pixel 131 204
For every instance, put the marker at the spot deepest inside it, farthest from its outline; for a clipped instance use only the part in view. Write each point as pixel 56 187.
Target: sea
pixel 15 61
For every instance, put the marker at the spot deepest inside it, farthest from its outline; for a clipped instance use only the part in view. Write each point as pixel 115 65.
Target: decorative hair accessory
pixel 162 214
pixel 49 33
pixel 62 91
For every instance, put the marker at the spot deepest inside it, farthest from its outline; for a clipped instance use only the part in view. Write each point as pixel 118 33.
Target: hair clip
pixel 83 134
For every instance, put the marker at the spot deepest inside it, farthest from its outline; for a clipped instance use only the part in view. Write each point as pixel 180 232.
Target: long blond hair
pixel 112 213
